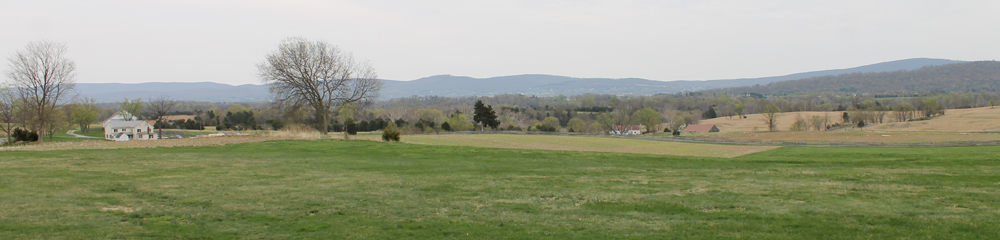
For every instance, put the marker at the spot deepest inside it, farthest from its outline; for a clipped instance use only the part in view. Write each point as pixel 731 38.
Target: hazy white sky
pixel 222 41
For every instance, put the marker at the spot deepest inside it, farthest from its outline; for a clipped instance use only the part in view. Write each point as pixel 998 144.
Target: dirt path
pixel 73 132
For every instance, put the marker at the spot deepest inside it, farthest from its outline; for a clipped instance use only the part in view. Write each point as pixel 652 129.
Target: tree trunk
pixel 321 116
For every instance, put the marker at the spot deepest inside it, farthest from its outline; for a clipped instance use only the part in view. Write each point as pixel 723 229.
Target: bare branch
pixel 319 75
pixel 42 77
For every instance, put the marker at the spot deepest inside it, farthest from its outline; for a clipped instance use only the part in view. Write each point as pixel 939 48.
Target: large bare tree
pixel 319 75
pixel 42 77
pixel 160 106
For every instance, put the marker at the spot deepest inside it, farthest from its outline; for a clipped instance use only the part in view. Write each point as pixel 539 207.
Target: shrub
pixel 445 126
pixel 800 124
pixel 276 124
pixel 390 133
pixel 350 127
pixel 24 135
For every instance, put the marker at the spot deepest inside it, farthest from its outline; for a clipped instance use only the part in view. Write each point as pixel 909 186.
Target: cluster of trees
pixel 39 81
pixel 239 121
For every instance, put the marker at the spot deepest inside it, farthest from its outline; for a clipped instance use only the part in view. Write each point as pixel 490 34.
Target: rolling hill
pixel 959 77
pixel 457 86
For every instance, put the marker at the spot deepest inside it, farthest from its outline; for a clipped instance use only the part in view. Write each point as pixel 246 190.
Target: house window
pixel 116 130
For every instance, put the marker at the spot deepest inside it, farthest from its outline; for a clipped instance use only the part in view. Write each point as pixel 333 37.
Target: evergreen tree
pixel 485 115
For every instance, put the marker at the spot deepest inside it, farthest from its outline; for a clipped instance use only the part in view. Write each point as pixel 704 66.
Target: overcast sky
pixel 222 41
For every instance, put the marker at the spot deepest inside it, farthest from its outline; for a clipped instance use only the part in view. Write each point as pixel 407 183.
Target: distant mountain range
pixel 456 86
pixel 960 77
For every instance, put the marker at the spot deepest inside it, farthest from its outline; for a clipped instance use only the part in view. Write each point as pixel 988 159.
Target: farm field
pixel 954 120
pixel 755 122
pixel 867 136
pixel 582 143
pixel 337 189
pixel 983 119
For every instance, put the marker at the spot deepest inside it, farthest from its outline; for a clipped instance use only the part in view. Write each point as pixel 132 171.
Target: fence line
pixel 743 142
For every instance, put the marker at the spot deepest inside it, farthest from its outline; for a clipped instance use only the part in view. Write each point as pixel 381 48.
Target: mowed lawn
pixel 334 189
pixel 586 143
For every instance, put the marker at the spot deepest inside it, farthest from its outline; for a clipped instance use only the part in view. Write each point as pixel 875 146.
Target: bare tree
pixel 7 113
pixel 319 75
pixel 42 77
pixel 160 106
pixel 771 112
pixel 818 122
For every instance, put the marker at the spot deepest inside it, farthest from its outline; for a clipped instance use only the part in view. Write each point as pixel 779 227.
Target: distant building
pixel 118 128
pixel 700 128
pixel 129 130
pixel 627 130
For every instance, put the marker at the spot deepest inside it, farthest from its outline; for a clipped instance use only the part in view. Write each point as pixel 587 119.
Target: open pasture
pixel 332 189
pixel 866 136
pixel 954 120
pixel 755 122
pixel 984 119
pixel 585 143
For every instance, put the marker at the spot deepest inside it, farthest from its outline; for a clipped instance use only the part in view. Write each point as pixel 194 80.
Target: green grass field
pixel 336 189
pixel 62 136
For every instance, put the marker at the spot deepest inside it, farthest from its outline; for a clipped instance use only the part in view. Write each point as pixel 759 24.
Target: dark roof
pixel 700 128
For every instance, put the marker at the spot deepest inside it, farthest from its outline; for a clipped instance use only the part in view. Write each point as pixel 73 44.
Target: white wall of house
pixel 138 131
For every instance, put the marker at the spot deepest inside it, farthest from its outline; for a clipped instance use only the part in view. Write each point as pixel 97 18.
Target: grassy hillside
pixel 362 189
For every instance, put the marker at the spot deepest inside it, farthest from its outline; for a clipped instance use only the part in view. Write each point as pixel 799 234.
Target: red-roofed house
pixel 700 128
pixel 627 130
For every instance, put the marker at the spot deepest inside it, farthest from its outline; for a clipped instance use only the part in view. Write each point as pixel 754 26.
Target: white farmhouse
pixel 626 130
pixel 129 130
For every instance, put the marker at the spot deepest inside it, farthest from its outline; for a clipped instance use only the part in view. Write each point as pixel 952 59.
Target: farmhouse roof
pixel 119 117
pixel 628 128
pixel 700 128
pixel 124 124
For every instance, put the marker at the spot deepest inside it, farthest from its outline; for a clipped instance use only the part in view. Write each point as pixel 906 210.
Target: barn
pixel 700 128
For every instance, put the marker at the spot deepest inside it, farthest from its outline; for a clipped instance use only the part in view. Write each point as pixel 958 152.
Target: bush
pixel 276 124
pixel 390 133
pixel 445 126
pixel 350 127
pixel 800 124
pixel 24 135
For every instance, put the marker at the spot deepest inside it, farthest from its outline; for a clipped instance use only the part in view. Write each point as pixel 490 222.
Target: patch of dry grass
pixel 954 120
pixel 867 136
pixel 756 121
pixel 187 142
pixel 587 144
